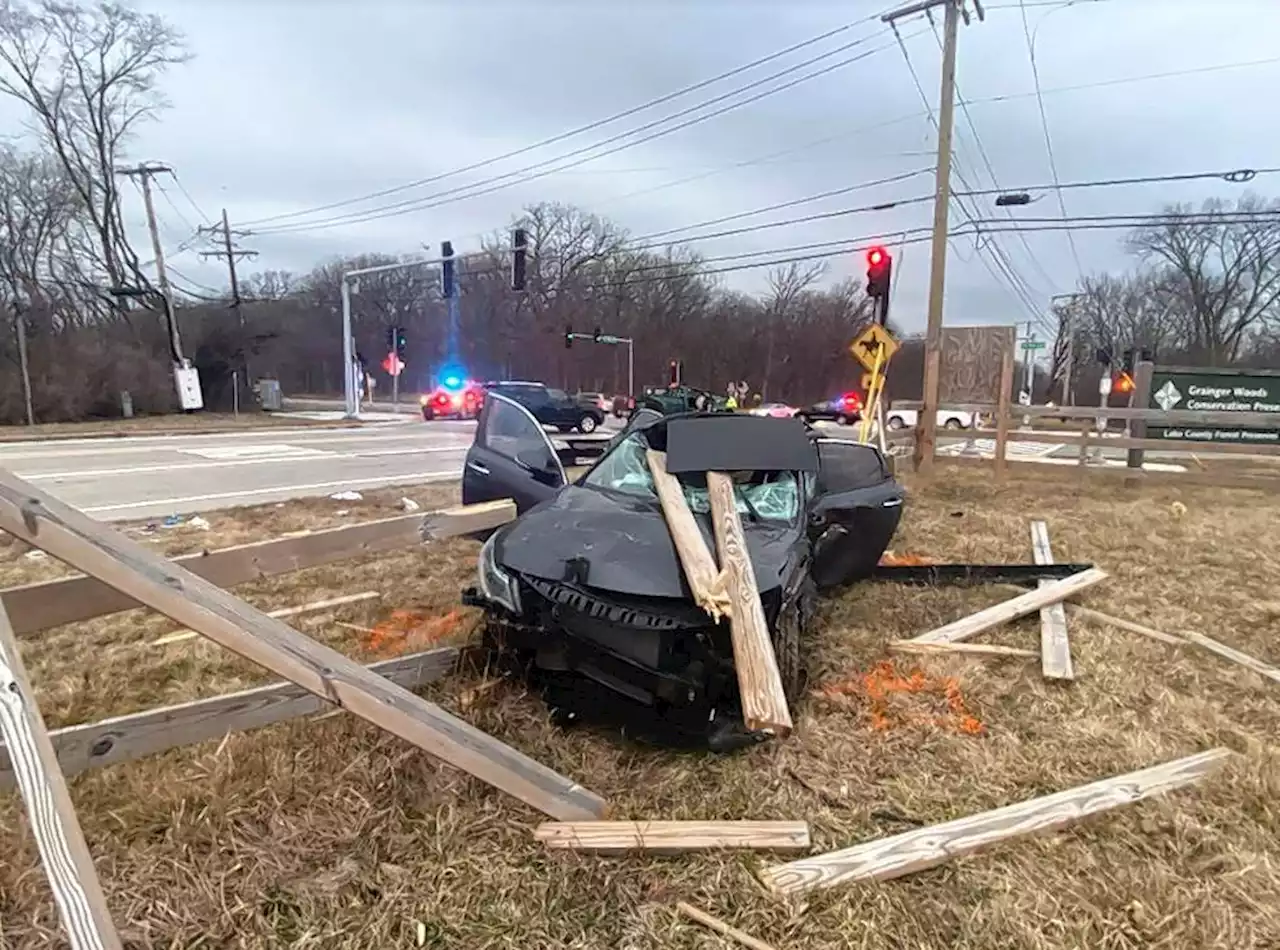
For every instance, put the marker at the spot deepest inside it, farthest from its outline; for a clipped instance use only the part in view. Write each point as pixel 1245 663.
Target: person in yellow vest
pixel 731 403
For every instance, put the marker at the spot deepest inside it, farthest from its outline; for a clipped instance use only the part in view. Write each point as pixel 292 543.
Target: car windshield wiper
pixel 751 509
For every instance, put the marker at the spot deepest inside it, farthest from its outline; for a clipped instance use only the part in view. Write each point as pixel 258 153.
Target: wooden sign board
pixel 971 359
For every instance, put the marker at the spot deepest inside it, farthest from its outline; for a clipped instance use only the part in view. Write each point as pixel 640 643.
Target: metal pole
pixel 395 390
pixel 631 369
pixel 928 419
pixel 20 322
pixel 351 408
pixel 235 393
pixel 1070 326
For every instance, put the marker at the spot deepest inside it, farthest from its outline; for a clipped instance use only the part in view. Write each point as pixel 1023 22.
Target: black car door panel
pixel 855 511
pixel 511 457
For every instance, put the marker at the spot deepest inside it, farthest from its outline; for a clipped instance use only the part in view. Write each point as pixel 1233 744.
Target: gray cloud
pixel 289 105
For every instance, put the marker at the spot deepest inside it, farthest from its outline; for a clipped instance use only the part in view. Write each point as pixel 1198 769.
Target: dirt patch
pixel 328 833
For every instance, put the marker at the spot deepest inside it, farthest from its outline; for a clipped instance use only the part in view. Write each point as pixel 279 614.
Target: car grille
pixel 679 616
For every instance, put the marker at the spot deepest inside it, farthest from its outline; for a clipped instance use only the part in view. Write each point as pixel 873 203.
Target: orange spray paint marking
pixel 407 629
pixel 877 691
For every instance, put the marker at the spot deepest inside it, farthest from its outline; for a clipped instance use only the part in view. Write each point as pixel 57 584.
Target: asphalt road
pixel 155 476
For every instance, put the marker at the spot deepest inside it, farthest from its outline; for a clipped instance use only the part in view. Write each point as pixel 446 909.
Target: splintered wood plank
pixel 125 738
pixel 1010 610
pixel 59 840
pixel 924 848
pixel 705 580
pixel 1232 654
pixel 938 649
pixel 1118 622
pixel 1055 648
pixel 97 550
pixel 673 837
pixel 35 607
pixel 467 519
pixel 764 702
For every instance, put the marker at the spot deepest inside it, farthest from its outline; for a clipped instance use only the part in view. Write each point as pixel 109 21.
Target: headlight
pixel 495 583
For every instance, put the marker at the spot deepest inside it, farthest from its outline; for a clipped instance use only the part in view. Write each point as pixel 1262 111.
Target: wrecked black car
pixel 585 591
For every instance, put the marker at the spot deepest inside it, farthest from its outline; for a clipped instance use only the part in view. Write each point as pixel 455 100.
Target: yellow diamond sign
pixel 874 340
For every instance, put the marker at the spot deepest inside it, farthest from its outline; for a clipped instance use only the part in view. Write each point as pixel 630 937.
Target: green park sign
pixel 1215 390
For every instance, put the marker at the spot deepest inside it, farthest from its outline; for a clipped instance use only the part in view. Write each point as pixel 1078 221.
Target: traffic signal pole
pixel 927 425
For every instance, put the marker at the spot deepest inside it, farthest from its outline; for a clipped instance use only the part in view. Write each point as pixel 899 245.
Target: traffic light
pixel 1123 383
pixel 595 335
pixel 1104 355
pixel 568 337
pixel 879 270
pixel 1126 365
pixel 673 376
pixel 447 288
pixel 391 338
pixel 401 343
pixel 519 251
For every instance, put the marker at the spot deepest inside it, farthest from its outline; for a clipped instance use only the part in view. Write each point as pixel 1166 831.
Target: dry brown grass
pixel 330 834
pixel 161 425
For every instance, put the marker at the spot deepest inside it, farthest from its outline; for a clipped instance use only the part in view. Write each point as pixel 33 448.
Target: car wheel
pixel 896 423
pixel 952 424
pixel 843 420
pixel 792 623
pixel 587 425
pixel 428 415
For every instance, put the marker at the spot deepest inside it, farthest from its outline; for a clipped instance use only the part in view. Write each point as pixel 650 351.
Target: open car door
pixel 855 511
pixel 511 457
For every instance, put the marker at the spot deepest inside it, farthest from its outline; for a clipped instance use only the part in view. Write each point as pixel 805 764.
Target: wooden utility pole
pixel 144 172
pixel 927 425
pixel 231 254
pixel 20 327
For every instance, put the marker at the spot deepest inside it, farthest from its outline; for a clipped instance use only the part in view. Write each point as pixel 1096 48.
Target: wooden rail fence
pixel 120 574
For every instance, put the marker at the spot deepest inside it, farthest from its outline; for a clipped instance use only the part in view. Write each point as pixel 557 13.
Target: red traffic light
pixel 1124 383
pixel 877 256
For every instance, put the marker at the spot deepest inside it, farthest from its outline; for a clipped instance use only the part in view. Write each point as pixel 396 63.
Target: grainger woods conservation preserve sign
pixel 1215 390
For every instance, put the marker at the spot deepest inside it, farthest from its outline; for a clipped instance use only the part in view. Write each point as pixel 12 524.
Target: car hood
pixel 624 544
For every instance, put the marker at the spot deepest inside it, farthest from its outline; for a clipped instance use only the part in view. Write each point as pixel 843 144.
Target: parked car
pixel 774 410
pixel 584 591
pixel 597 400
pixel 551 407
pixel 623 406
pixel 673 399
pixel 947 419
pixel 845 410
pixel 463 402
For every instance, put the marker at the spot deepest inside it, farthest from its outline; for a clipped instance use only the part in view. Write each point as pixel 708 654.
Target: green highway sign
pixel 606 338
pixel 1215 390
pixel 1033 345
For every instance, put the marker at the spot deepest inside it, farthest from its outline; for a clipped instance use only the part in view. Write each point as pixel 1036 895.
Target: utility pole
pixel 1067 328
pixel 144 172
pixel 231 254
pixel 927 426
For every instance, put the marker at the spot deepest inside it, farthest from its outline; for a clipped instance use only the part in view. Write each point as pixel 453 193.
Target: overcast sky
pixel 291 104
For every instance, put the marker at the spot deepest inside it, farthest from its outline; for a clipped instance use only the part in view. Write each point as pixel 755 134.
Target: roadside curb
pixel 6 439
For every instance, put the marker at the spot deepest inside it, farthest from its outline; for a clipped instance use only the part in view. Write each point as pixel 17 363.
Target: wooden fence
pixel 120 574
pixel 1084 434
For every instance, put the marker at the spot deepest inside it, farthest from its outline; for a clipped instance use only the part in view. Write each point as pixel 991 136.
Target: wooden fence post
pixel 1003 410
pixel 63 851
pixel 1140 398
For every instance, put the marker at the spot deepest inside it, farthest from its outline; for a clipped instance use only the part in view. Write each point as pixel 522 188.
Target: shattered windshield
pixel 768 496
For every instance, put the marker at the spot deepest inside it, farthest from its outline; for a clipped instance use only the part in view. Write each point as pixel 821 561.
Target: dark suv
pixel 551 407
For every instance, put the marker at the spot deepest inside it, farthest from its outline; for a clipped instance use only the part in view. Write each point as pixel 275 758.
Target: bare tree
pixel 1225 270
pixel 787 286
pixel 90 75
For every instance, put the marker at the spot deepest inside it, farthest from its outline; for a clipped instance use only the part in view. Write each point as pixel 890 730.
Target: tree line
pixel 1202 288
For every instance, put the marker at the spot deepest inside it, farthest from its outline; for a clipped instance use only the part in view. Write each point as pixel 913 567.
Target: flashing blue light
pixel 453 379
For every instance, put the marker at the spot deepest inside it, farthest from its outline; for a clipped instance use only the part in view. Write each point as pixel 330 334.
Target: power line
pixel 499 184
pixel 1012 279
pixel 602 142
pixel 191 201
pixel 1048 139
pixel 986 160
pixel 1233 176
pixel 791 204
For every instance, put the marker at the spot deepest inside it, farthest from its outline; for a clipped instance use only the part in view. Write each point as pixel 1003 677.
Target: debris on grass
pixel 893 700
